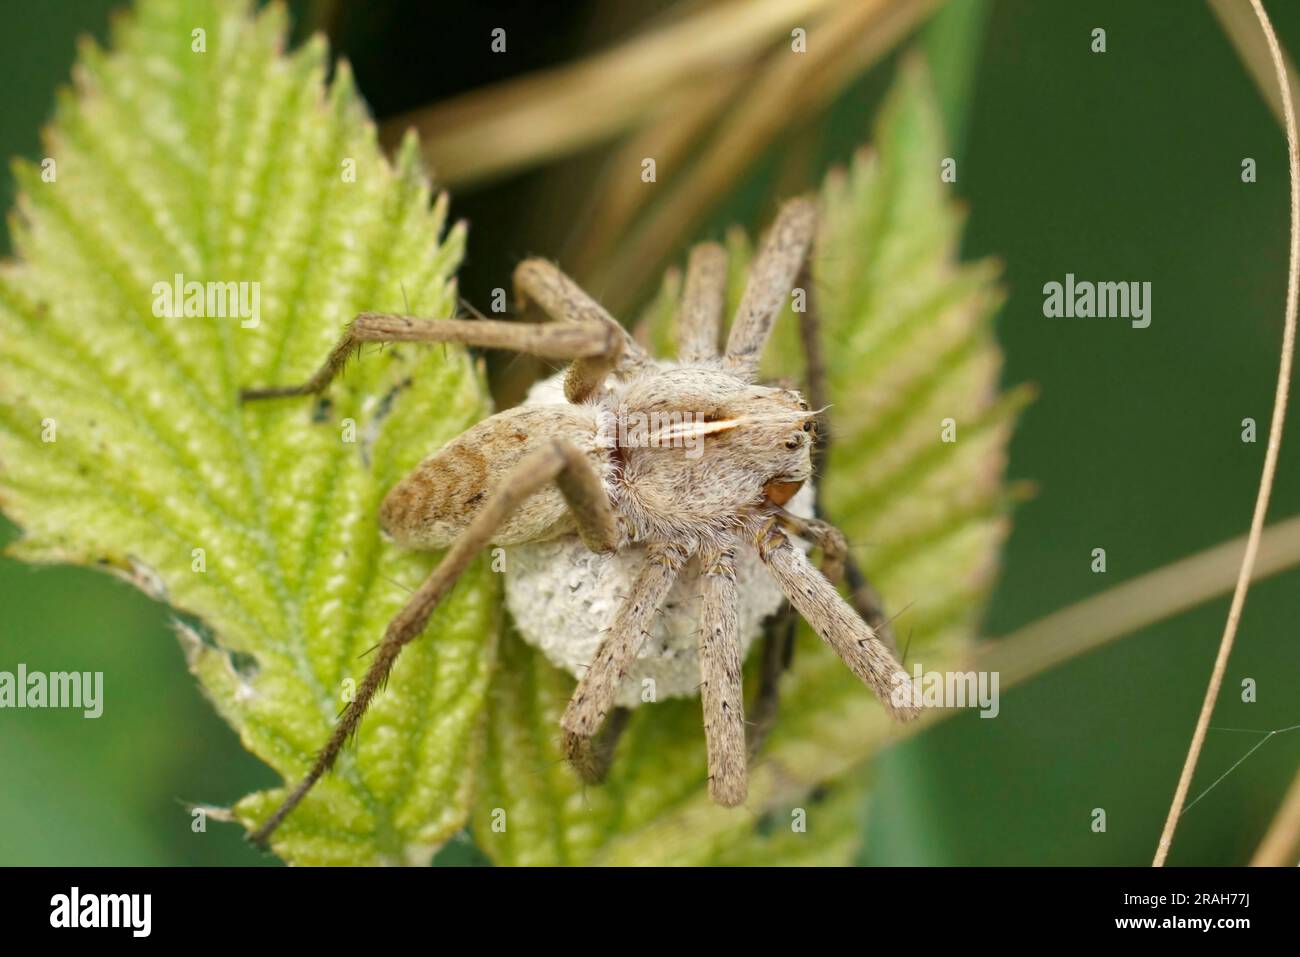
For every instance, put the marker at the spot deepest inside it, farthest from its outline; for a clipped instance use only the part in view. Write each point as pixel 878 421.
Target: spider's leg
pixel 779 628
pixel 559 462
pixel 704 297
pixel 777 654
pixel 816 389
pixel 837 559
pixel 868 603
pixel 597 759
pixel 594 697
pixel 542 283
pixel 722 694
pixel 836 622
pixel 581 342
pixel 837 563
pixel 834 546
pixel 771 278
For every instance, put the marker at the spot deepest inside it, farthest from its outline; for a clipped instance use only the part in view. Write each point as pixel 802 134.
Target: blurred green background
pixel 1122 166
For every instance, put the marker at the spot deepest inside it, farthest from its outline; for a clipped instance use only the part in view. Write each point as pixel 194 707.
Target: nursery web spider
pixel 533 473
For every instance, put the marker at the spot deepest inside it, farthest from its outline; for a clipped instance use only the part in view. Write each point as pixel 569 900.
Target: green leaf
pixel 908 343
pixel 229 165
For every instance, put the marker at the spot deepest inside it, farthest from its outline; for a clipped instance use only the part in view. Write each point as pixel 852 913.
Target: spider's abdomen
pixel 434 504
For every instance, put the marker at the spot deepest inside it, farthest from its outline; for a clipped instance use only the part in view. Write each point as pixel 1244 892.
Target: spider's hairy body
pixel 682 467
pixel 659 494
pixel 562 596
pixel 432 506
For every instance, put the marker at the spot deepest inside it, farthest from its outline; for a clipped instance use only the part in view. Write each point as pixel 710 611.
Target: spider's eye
pixel 793 443
pixel 808 426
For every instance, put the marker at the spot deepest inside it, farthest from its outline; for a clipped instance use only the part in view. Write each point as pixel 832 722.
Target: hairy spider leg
pixel 560 462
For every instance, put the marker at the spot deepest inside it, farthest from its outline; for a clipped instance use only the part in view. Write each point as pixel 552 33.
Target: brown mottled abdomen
pixel 434 504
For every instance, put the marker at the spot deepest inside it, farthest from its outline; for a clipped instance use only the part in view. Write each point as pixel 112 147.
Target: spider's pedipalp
pixel 831 541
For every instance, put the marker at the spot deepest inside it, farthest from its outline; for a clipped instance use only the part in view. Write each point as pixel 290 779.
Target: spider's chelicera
pixel 678 473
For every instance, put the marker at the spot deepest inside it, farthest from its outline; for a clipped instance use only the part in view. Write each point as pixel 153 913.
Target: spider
pixel 537 473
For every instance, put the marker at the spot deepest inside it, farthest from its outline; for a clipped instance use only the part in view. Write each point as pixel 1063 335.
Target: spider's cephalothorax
pixel 645 473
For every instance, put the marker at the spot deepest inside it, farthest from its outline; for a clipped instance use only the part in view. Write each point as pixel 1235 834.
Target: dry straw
pixel 1270 457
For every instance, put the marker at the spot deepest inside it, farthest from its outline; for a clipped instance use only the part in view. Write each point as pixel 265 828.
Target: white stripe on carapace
pixel 695 429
